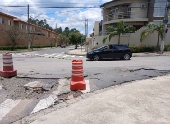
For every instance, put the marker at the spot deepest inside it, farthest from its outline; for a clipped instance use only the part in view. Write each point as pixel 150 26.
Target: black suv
pixel 110 51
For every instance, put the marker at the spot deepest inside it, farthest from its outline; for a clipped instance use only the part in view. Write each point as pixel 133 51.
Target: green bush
pixel 138 49
pixel 22 47
pixel 167 48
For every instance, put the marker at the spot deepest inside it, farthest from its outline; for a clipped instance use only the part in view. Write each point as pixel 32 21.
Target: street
pixel 50 69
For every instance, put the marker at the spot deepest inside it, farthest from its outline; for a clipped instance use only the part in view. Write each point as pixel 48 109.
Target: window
pixel 9 22
pixel 22 26
pixel 159 8
pixel 121 46
pixel 2 21
pixel 157 22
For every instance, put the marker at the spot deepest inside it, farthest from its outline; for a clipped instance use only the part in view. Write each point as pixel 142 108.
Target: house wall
pixel 135 4
pixel 3 40
pixel 132 39
pixel 138 15
pixel 48 39
pixel 138 12
pixel 96 28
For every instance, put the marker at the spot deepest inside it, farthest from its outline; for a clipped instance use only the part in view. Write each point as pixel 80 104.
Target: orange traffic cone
pixel 8 70
pixel 77 79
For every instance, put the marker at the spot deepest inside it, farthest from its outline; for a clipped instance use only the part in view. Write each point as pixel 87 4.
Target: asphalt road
pixel 101 74
pixel 52 50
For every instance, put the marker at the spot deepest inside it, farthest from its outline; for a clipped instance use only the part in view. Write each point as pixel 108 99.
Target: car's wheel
pixel 96 57
pixel 126 56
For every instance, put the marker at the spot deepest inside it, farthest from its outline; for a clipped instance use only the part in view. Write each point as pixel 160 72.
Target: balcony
pixel 126 16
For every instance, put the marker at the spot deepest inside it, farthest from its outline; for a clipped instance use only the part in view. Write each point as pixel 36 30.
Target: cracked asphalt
pixel 101 74
pixel 118 76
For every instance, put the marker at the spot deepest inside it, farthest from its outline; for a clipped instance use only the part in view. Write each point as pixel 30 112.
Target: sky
pixel 57 17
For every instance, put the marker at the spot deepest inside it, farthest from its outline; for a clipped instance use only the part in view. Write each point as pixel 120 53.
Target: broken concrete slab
pixel 64 86
pixel 38 85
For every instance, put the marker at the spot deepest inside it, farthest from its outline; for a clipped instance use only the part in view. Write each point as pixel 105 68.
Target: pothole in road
pixel 38 86
pixel 68 96
pixel 15 89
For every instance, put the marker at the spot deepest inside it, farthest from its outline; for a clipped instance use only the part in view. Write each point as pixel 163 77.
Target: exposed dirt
pixel 67 96
pixel 14 87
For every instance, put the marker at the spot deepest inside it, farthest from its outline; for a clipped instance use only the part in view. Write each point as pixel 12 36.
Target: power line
pixel 54 6
pixel 68 7
pixel 12 11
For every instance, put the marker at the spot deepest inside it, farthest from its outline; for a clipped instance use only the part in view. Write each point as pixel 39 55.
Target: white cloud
pixel 72 17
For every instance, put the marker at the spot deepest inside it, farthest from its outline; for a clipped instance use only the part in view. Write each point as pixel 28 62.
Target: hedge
pixel 21 47
pixel 137 49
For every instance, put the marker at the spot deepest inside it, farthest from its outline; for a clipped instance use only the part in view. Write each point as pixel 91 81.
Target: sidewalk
pixel 83 53
pixel 139 102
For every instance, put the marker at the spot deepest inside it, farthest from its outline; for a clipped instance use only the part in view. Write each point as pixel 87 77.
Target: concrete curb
pixel 25 50
pixel 133 55
pixel 35 116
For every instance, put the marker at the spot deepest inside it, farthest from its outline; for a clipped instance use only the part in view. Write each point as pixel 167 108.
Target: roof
pixel 1 13
pixel 108 3
pixel 17 19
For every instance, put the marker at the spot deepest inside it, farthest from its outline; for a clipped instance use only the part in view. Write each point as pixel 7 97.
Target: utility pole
pixel 29 42
pixel 86 27
pixel 165 21
pixel 86 31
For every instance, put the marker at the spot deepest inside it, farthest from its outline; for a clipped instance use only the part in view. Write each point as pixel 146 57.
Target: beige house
pixel 133 12
pixel 44 37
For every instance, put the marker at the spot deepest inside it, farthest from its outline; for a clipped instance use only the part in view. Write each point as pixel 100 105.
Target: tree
pixel 74 30
pixel 58 30
pixel 75 38
pixel 119 29
pixel 83 39
pixel 33 36
pixel 62 39
pixel 41 23
pixel 151 28
pixel 14 33
pixel 66 31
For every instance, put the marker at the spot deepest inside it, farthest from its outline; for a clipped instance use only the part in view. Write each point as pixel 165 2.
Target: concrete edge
pixel 133 54
pixel 33 117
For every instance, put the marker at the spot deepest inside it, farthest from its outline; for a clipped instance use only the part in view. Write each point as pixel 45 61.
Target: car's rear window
pixel 121 47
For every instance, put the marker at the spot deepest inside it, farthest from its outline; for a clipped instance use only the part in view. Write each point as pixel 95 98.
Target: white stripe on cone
pixel 77 70
pixel 7 106
pixel 7 57
pixel 7 64
pixel 7 60
pixel 77 74
pixel 77 64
